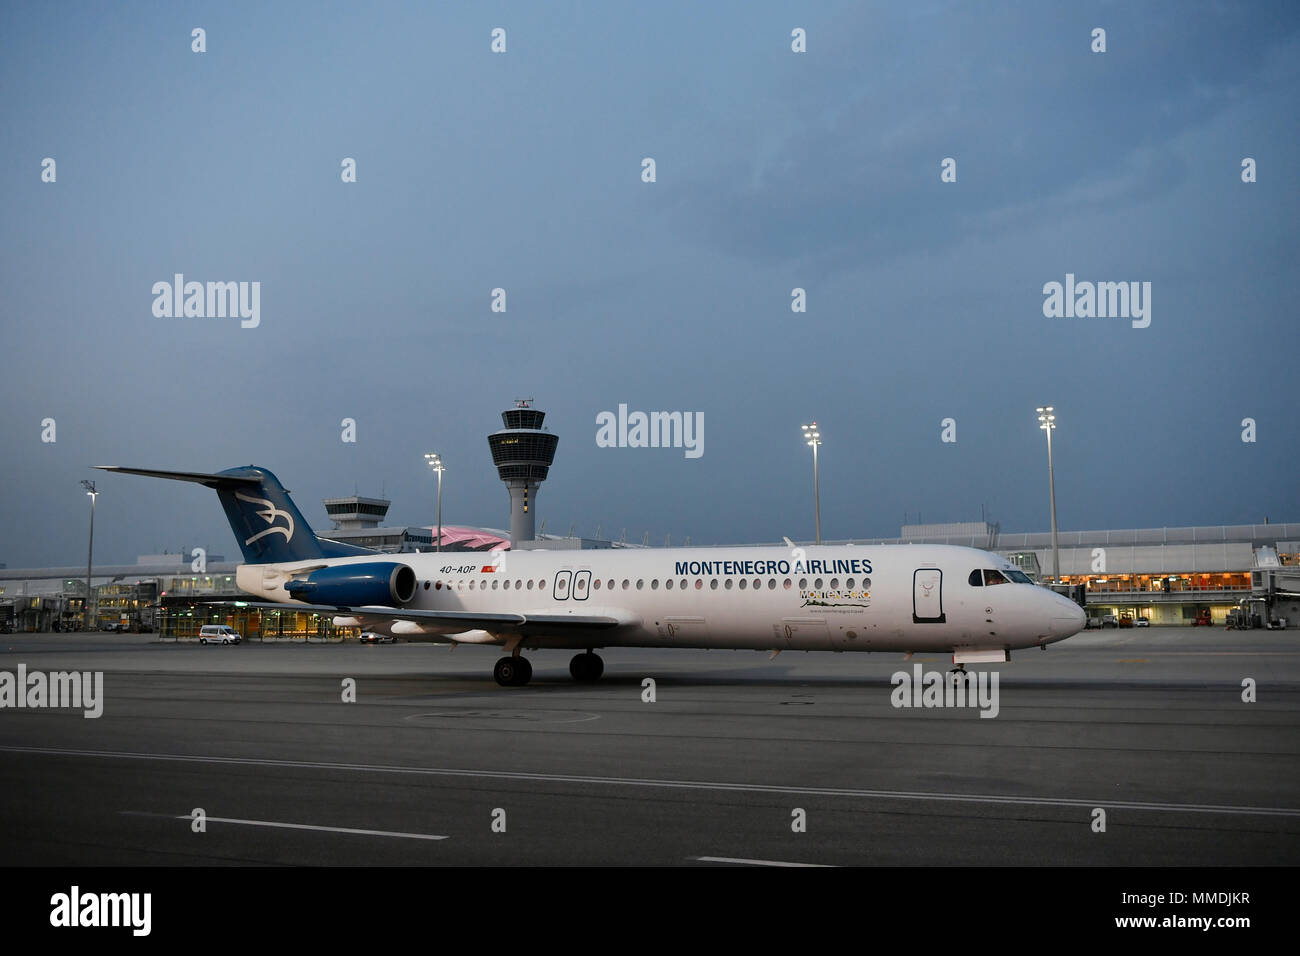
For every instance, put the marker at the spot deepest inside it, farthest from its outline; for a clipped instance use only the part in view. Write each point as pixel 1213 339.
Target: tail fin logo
pixel 269 514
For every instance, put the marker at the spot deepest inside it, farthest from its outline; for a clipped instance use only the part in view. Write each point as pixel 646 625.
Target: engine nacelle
pixel 354 585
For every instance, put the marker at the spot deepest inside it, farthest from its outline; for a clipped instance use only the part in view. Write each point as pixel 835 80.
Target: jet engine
pixel 354 585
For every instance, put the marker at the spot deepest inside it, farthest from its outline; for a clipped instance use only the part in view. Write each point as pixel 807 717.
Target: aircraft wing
pixel 528 624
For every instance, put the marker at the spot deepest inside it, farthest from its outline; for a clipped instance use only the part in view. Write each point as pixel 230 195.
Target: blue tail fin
pixel 266 522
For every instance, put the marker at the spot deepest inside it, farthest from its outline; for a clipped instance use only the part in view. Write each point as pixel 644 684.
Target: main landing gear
pixel 513 671
pixel 586 668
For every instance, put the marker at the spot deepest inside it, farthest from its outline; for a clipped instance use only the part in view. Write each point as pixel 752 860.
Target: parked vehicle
pixel 219 634
pixel 1109 620
pixel 1126 620
pixel 374 637
pixel 1202 618
pixel 1142 622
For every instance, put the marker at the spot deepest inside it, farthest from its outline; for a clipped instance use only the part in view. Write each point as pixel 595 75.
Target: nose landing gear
pixel 586 668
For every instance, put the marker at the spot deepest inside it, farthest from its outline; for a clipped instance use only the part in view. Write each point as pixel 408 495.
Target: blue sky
pixel 775 170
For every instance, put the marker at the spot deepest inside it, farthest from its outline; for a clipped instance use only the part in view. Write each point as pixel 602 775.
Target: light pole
pixel 1047 422
pixel 814 438
pixel 435 462
pixel 90 550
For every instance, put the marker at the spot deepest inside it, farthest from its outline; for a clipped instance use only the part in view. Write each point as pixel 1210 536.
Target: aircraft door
pixel 927 596
pixel 561 589
pixel 581 584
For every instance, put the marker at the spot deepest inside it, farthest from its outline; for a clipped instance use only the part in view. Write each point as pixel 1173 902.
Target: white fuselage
pixel 843 598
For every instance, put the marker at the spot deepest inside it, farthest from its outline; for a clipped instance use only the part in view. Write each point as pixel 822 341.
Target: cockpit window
pixel 975 580
pixel 992 577
pixel 1018 576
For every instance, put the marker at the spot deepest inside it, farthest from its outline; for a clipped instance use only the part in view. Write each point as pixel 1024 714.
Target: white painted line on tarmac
pixel 665 784
pixel 736 859
pixel 288 826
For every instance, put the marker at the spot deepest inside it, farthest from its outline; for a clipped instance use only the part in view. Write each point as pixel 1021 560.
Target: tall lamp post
pixel 90 550
pixel 435 462
pixel 1047 422
pixel 814 438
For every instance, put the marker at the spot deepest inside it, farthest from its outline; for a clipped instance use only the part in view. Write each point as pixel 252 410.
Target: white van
pixel 219 634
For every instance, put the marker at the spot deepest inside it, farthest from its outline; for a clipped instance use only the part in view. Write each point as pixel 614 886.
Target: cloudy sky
pixel 775 170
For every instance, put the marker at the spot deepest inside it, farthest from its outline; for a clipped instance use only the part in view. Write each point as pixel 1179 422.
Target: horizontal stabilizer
pixel 267 524
pixel 211 481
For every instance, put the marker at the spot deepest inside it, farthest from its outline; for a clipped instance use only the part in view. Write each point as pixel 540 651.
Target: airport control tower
pixel 523 454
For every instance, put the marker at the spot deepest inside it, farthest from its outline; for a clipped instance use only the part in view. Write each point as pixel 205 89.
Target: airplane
pixel 883 598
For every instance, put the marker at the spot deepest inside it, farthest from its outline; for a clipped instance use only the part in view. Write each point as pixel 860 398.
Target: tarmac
pixel 1130 747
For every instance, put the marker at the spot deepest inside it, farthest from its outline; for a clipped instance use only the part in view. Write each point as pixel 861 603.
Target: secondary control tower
pixel 523 454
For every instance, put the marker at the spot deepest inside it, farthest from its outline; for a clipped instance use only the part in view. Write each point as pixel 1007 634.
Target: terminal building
pixel 1166 575
pixel 131 597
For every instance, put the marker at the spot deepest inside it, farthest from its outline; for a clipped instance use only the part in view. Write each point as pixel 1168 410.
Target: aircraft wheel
pixel 513 671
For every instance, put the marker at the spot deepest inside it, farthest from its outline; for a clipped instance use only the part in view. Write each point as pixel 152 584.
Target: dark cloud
pixel 775 171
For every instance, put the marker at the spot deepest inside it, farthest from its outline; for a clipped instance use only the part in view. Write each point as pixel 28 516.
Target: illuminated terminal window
pixel 1162 583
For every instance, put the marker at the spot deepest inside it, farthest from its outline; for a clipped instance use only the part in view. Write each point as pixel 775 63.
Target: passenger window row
pixel 668 584
pixel 482 584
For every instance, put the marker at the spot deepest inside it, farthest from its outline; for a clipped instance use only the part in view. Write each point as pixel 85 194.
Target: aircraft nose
pixel 1069 622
